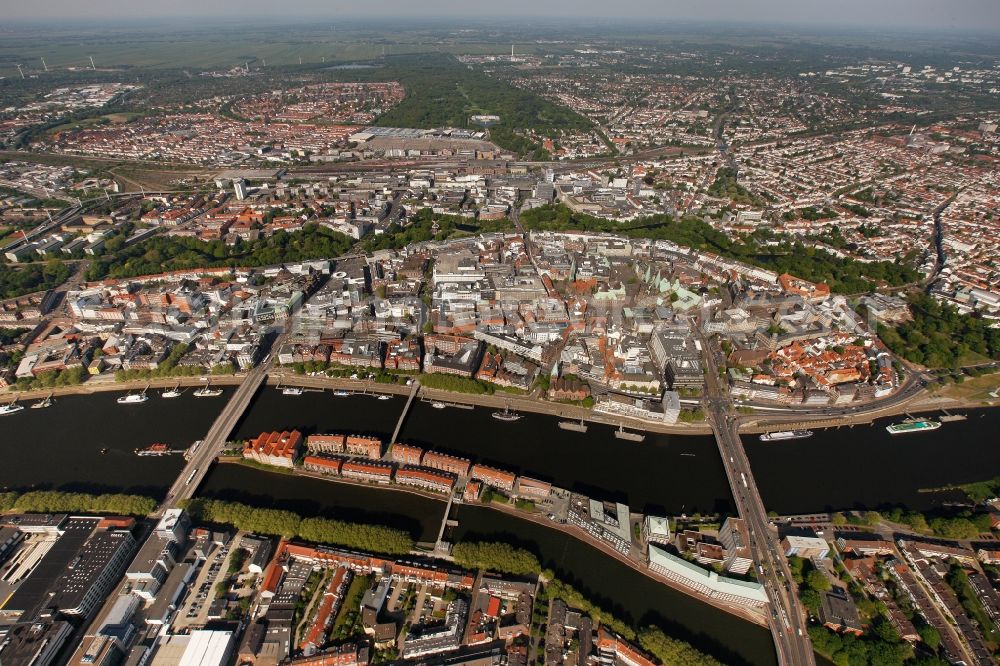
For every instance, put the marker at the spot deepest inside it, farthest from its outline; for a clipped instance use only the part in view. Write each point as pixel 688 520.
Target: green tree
pixel 495 556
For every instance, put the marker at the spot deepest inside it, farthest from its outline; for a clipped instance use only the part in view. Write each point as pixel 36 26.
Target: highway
pixel 787 621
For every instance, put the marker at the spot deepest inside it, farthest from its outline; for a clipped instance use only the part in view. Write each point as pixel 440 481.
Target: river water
pixel 860 467
pixel 60 447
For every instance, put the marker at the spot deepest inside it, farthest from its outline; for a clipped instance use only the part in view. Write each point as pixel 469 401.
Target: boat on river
pixel 207 391
pixel 10 408
pixel 133 398
pixel 912 425
pixel 782 435
pixel 506 415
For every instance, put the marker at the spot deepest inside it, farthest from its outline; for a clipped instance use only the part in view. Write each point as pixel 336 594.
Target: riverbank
pixel 755 423
pixel 499 400
pixel 101 385
pixel 755 616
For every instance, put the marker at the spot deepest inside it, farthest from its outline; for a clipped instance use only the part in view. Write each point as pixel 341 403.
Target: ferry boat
pixel 207 392
pixel 912 425
pixel 506 415
pixel 292 390
pixel 133 399
pixel 43 403
pixel 781 435
pixel 10 408
pixel 153 450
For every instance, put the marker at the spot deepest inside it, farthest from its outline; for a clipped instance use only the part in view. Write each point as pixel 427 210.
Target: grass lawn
pixel 973 389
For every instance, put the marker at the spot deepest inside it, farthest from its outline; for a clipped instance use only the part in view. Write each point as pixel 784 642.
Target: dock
pixel 574 426
pixel 622 433
pixel 946 417
pixel 446 403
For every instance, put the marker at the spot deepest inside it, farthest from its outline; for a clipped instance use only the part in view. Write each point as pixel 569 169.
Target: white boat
pixel 175 392
pixel 292 390
pixel 207 392
pixel 438 405
pixel 912 425
pixel 341 393
pixel 133 399
pixel 383 396
pixel 10 408
pixel 785 434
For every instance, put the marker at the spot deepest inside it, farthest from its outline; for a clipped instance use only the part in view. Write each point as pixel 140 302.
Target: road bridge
pixel 212 445
pixel 787 621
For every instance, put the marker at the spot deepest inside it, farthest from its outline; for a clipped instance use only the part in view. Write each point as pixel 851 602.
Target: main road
pixel 787 621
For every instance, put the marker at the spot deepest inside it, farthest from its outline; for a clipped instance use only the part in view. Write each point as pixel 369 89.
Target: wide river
pixel 61 447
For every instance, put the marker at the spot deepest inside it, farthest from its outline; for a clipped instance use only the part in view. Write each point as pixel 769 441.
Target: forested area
pixel 495 556
pixel 843 275
pixel 171 253
pixel 420 229
pixel 441 92
pixel 54 501
pixel 371 538
pixel 17 281
pixel 939 336
pixel 672 651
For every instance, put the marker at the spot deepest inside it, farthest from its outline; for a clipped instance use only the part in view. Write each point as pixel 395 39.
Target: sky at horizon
pixel 946 15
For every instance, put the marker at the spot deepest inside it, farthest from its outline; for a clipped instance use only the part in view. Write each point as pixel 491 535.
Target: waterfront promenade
pixel 763 420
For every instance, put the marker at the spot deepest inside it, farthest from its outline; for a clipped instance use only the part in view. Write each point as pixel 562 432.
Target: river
pixel 60 447
pixel 630 595
pixel 864 466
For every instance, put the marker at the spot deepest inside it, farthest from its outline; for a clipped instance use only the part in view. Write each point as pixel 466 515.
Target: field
pixel 974 389
pixel 223 47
